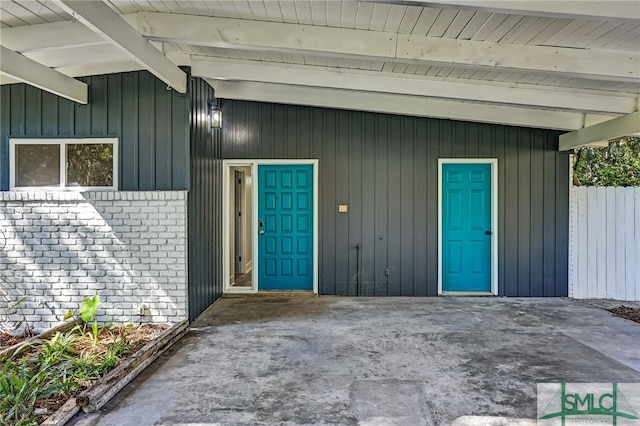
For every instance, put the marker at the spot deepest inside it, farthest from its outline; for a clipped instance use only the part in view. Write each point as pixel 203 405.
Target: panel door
pixel 466 227
pixel 285 227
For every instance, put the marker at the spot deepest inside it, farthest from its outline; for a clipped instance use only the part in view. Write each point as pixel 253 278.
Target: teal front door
pixel 466 227
pixel 285 227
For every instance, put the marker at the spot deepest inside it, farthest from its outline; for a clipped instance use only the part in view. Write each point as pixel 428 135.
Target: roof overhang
pixel 567 65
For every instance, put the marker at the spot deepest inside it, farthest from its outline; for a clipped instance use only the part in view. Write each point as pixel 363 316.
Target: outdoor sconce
pixel 215 115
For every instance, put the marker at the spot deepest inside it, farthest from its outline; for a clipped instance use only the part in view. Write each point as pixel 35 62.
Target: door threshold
pixel 467 293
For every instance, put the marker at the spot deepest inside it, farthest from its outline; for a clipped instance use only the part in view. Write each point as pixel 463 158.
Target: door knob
pixel 487 232
pixel 260 232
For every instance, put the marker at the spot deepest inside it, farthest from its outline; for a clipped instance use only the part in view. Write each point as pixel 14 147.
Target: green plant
pixel 616 165
pixel 55 368
pixel 87 312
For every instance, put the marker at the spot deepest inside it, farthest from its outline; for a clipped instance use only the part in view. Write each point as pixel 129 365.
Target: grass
pixel 36 383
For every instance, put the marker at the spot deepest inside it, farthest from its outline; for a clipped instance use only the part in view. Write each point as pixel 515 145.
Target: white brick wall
pixel 128 247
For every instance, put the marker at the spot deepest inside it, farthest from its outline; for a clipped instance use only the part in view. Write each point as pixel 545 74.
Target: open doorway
pixel 240 216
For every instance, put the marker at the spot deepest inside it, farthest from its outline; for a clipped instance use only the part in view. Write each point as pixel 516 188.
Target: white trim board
pixel 493 162
pixel 62 142
pixel 226 167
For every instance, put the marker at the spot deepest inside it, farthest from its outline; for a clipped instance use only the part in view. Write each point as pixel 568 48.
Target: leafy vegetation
pixel 35 383
pixel 616 165
pixel 57 369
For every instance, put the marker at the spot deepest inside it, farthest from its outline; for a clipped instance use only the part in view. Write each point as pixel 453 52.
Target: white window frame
pixel 62 142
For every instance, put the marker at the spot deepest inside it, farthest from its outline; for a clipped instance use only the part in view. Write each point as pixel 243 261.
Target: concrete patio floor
pixel 276 359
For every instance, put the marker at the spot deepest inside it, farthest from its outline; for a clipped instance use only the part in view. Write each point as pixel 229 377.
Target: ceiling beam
pixel 599 134
pixel 98 17
pixel 55 35
pixel 573 9
pixel 373 81
pixel 397 104
pixel 255 35
pixel 19 67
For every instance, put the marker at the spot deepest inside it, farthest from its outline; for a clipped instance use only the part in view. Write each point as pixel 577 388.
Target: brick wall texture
pixel 128 247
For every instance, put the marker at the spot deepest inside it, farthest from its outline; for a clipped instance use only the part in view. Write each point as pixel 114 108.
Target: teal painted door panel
pixel 466 227
pixel 285 236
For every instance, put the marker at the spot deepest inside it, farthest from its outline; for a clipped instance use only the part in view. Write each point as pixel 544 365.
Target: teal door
pixel 466 227
pixel 285 227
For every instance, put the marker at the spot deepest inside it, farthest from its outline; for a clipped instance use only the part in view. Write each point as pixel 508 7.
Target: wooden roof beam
pixel 18 67
pixel 572 9
pixel 255 35
pixel 98 17
pixel 602 133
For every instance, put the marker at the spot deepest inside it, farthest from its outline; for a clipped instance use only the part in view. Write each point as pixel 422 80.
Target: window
pixel 68 164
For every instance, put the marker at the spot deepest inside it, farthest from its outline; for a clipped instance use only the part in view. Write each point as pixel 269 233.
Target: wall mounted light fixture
pixel 215 115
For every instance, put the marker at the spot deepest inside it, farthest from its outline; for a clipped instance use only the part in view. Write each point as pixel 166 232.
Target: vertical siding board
pixel 630 243
pixel 98 106
pixel 610 223
pixel 537 215
pixel 49 114
pixel 582 244
pixel 33 111
pixel 130 141
pixel 499 140
pixel 146 132
pixel 317 149
pixel 267 132
pixel 303 134
pixel 342 247
pixel 635 293
pixel 381 205
pixel 254 111
pixel 5 120
pixel 355 215
pixel 477 147
pixel 162 136
pixel 592 241
pixel 549 214
pixel 114 106
pixel 524 213
pixel 291 132
pixel 562 222
pixel 65 117
pixel 511 244
pixel 279 117
pixel 408 208
pixel 179 144
pixel 369 190
pixel 18 125
pixel 600 214
pixel 394 203
pixel 419 257
pixel 329 202
pixel 82 115
pixel 458 139
pixel 434 151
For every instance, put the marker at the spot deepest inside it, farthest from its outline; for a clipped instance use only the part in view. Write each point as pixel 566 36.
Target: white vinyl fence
pixel 604 243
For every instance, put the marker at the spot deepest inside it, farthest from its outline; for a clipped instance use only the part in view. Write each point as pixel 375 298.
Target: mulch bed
pixel 7 339
pixel 627 312
pixel 136 337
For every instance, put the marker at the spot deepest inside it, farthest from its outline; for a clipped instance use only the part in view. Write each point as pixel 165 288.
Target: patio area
pixel 303 360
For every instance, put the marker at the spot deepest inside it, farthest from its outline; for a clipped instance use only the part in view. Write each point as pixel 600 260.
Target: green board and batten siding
pixel 385 167
pixel 150 122
pixel 205 204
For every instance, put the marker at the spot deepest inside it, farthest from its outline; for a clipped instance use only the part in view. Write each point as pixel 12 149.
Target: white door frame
pixel 226 167
pixel 493 162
